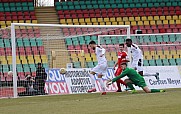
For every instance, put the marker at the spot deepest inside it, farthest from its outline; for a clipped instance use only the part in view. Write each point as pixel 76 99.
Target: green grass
pixel 112 103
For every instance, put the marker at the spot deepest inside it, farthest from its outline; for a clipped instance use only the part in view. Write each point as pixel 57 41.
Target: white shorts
pixel 100 69
pixel 138 65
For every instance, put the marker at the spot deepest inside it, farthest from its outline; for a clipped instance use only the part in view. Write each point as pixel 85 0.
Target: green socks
pixel 130 85
pixel 156 90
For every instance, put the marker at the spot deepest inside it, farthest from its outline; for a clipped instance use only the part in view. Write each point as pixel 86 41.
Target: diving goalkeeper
pixel 133 78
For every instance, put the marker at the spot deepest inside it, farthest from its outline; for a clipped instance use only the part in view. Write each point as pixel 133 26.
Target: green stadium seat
pixel 25 8
pixel 108 40
pixel 77 64
pixel 90 64
pixel 88 7
pixel 81 2
pixel 6 4
pixel 158 62
pixel 144 5
pixel 88 2
pixel 24 4
pixel 12 4
pixel 150 5
pixel 70 3
pixel 32 67
pixel 178 36
pixel 141 39
pixel 152 38
pixel 26 68
pixel 101 6
pixel 1 44
pixel 7 43
pixel 165 62
pixel 145 63
pixel 19 42
pixel 39 42
pixel 95 6
pixel 68 41
pixel 45 65
pixel 138 5
pixel 168 4
pixel 33 42
pixel 126 6
pixel 146 39
pixel 172 62
pixel 57 3
pixel 132 5
pixel 120 5
pixel 178 61
pixel 76 42
pixel 71 8
pixel 58 8
pixel 156 4
pixel 13 9
pixel 5 68
pixel 18 4
pixel 26 42
pixel 30 4
pixel 107 6
pixel 152 63
pixel 94 2
pixel 111 63
pixel 114 5
pixel 165 38
pixel 159 38
pixel 174 4
pixel 19 68
pixel 1 5
pixel 1 9
pixel 77 7
pixel 31 9
pixel 7 9
pixel 18 9
pixel 95 63
pixel 114 40
pixel 84 6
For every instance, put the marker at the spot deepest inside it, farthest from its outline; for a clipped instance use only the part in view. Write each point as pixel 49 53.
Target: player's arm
pixel 103 51
pixel 124 73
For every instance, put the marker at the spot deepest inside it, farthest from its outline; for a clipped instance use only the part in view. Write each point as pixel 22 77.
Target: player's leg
pixel 103 87
pixel 91 74
pixel 129 83
pixel 118 82
pixel 147 90
pixel 140 67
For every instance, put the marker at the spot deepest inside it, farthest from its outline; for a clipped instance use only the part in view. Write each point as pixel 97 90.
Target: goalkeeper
pixel 134 78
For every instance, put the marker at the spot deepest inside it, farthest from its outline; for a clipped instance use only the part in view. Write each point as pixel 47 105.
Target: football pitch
pixel 112 103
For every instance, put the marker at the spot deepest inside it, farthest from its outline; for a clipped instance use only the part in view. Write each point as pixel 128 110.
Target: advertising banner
pixel 78 80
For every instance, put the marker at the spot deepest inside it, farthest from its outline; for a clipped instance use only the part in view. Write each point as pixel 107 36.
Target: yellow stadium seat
pixel 114 58
pixel 3 23
pixel 82 23
pixel 165 21
pixel 75 59
pixel 175 17
pixel 168 17
pixel 159 52
pixel 95 23
pixel 149 57
pixel 94 59
pixel 152 22
pixel 3 60
pixel 69 20
pixel 89 23
pixel 127 23
pixel 176 56
pixel 100 20
pixel 150 18
pixel 180 17
pixel 114 23
pixel 133 23
pixel 166 52
pixel 3 26
pixel 125 19
pixel 156 18
pixel 62 21
pixel 119 19
pixel 137 18
pixel 75 20
pixel 108 23
pixel 28 21
pixel 120 23
pixel 14 21
pixel 106 19
pixel 24 61
pixel 140 22
pixel 159 22
pixel 131 18
pixel 113 54
pixel 87 55
pixel 152 53
pixel 144 18
pixel 162 56
pixel 173 52
pixel 18 61
pixel 81 20
pixel 162 17
pixel 21 21
pixel 168 56
pixel 76 23
pixel 73 55
pixel 34 21
pixel 87 20
pixel 178 22
pixel 94 20
pixel 146 53
pixel 171 22
pixel 102 23
pixel 146 23
pixel 88 59
pixel 112 19
pixel 156 57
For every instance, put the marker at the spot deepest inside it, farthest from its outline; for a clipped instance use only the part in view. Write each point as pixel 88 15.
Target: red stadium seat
pixel 169 30
pixel 165 26
pixel 116 10
pixel 162 30
pixel 175 30
pixel 149 31
pixel 121 10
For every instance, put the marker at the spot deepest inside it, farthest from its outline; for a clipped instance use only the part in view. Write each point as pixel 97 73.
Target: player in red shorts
pixel 121 55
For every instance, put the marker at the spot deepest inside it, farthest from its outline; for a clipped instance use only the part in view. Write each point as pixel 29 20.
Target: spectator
pixel 40 79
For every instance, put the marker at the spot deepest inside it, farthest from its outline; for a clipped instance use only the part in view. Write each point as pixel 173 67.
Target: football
pixel 62 71
pixel 10 73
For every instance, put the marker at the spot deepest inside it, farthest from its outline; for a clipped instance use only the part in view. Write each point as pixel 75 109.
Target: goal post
pixel 56 35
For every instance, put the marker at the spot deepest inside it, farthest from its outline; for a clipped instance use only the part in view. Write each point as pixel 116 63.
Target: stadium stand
pixel 150 16
pixel 30 49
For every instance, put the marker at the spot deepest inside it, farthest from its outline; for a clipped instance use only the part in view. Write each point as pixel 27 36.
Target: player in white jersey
pixel 137 56
pixel 100 69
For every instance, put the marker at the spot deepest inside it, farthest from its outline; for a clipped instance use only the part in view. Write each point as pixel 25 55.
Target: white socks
pixel 102 84
pixel 92 80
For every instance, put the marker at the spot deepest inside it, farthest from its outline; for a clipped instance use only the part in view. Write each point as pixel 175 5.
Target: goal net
pixel 158 49
pixel 36 52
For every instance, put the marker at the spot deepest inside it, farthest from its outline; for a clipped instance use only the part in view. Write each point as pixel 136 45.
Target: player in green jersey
pixel 133 78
